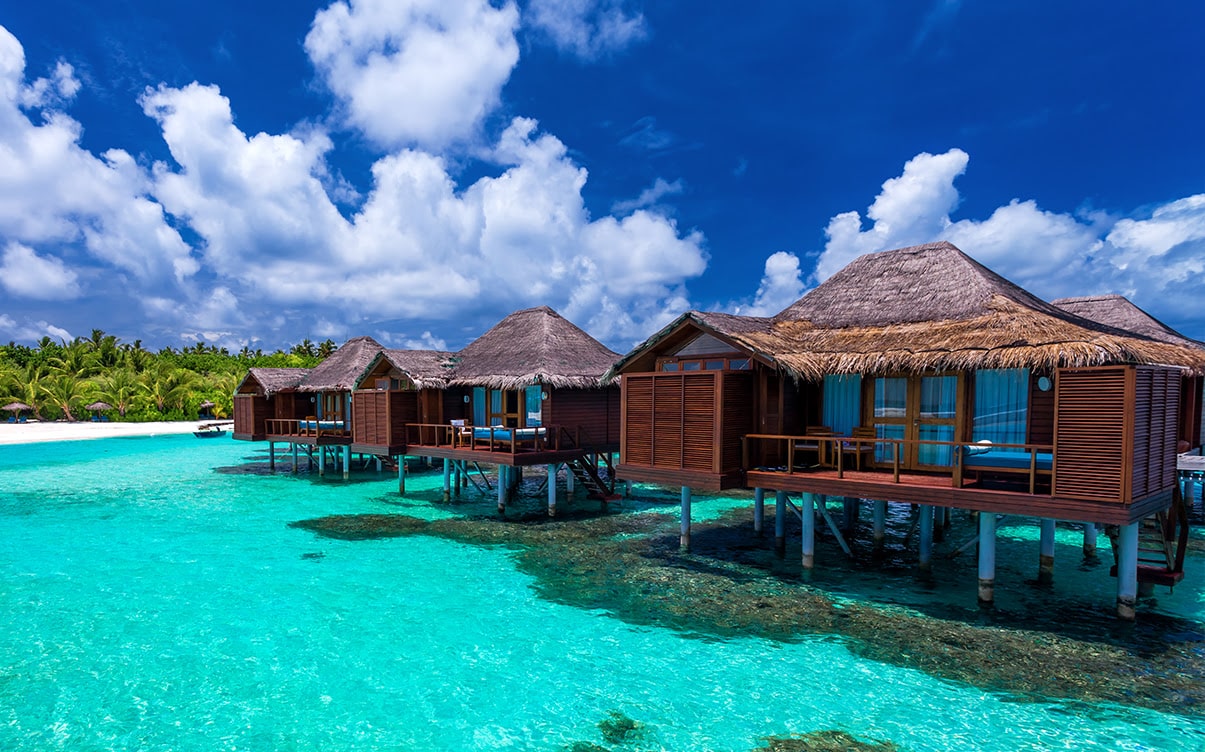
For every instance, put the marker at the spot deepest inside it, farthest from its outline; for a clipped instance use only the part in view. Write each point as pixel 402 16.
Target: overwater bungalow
pixel 1119 312
pixel 398 389
pixel 920 376
pixel 313 411
pixel 532 392
pixel 267 394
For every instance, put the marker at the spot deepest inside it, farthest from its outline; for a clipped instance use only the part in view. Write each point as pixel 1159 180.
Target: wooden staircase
pixel 586 471
pixel 1162 544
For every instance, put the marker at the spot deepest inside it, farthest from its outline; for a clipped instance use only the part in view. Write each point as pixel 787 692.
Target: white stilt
pixel 272 455
pixel 501 489
pixel 684 536
pixel 456 478
pixel 1046 552
pixel 780 520
pixel 294 458
pixel 447 479
pixel 987 557
pixel 346 462
pixel 321 462
pixel 759 510
pixel 552 490
pixel 807 513
pixel 401 475
pixel 569 482
pixel 1090 539
pixel 1127 570
pixel 925 557
pixel 880 523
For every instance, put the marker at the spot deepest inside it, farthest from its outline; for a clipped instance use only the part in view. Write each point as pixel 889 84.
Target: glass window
pixel 692 365
pixel 714 365
pixel 534 399
pixel 669 365
pixel 479 406
pixel 886 452
pixel 938 396
pixel 739 364
pixel 935 454
pixel 1001 405
pixel 842 402
pixel 890 398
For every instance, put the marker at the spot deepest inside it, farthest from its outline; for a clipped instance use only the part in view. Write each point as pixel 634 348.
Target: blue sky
pixel 256 174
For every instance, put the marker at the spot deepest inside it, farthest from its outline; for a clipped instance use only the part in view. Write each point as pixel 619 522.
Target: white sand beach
pixel 35 432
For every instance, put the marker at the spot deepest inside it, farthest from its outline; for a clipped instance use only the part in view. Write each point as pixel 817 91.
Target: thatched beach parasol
pixel 98 407
pixel 16 407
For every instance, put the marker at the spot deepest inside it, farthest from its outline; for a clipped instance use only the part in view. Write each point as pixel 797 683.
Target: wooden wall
pixel 1156 410
pixel 293 406
pixel 595 410
pixel 251 411
pixel 1115 432
pixel 378 418
pixel 690 421
pixel 454 406
pixel 1041 411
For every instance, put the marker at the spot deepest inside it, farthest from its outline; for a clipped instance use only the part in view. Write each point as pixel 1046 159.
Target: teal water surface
pixel 157 598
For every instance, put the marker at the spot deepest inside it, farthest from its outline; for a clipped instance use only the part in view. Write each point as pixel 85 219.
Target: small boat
pixel 209 433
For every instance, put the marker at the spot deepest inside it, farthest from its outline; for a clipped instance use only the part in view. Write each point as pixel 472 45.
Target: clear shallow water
pixel 154 602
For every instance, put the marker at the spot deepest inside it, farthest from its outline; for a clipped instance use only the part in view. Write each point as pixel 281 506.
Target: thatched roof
pixel 344 368
pixel 273 380
pixel 533 346
pixel 1118 311
pixel 723 326
pixel 930 308
pixel 427 369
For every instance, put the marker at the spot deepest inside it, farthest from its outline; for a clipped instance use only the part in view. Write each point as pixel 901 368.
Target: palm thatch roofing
pixel 344 368
pixel 922 309
pixel 98 406
pixel 533 346
pixel 273 380
pixel 1120 312
pixel 426 369
pixel 16 407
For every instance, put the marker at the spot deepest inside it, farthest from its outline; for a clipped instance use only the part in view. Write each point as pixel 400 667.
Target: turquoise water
pixel 157 598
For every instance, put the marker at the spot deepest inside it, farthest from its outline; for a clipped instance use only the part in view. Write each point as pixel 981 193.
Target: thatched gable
pixel 1118 311
pixel 271 380
pixel 426 369
pixel 533 346
pixel 725 327
pixel 344 368
pixel 927 308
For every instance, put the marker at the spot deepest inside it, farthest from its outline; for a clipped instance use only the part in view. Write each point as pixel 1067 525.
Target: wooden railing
pixel 307 428
pixel 832 453
pixel 497 439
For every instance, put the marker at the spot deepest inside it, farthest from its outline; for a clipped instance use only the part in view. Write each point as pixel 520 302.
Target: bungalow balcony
pixel 309 431
pixel 501 445
pixel 1022 479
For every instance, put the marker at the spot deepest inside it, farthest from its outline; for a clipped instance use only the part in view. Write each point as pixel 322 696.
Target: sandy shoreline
pixel 33 433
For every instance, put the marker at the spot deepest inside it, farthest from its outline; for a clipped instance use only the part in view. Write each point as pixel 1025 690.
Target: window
pixel 710 363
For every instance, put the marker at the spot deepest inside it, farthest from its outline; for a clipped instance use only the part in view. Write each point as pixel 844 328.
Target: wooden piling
pixel 1089 540
pixel 684 535
pixel 807 513
pixel 1046 552
pixel 925 548
pixel 880 523
pixel 552 490
pixel 1127 571
pixel 780 520
pixel 759 510
pixel 987 558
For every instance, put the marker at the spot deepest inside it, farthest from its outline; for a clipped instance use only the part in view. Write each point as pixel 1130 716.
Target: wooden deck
pixel 937 490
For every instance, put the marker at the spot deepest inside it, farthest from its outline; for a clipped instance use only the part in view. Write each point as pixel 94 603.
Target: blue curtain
pixel 1001 405
pixel 842 402
pixel 535 403
pixel 479 406
pixel 495 407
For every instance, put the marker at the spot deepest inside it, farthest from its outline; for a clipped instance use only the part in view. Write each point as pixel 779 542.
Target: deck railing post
pixel 745 452
pixel 790 456
pixel 895 460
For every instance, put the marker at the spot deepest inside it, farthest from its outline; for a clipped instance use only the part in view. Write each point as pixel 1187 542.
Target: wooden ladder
pixel 1162 544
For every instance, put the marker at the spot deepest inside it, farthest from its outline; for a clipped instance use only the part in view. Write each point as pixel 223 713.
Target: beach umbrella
pixel 16 407
pixel 99 406
pixel 207 404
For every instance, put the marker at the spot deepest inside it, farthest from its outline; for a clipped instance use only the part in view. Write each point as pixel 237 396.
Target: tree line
pixel 59 379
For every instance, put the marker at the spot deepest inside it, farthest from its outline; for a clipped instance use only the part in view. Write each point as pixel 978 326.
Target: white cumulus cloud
pixel 781 285
pixel 415 72
pixel 587 28
pixel 26 274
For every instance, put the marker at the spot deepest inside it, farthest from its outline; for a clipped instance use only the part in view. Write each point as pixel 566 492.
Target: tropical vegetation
pixel 59 380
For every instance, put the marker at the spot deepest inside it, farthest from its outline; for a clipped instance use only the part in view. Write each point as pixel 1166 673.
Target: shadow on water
pixel 733 584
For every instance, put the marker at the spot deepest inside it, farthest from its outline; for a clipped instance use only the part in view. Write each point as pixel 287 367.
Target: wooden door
pixel 770 417
pixel 916 408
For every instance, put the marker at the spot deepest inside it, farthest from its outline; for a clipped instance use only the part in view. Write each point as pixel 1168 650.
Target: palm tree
pixel 74 359
pixel 63 390
pixel 326 348
pixel 166 386
pixel 104 350
pixel 25 385
pixel 119 387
